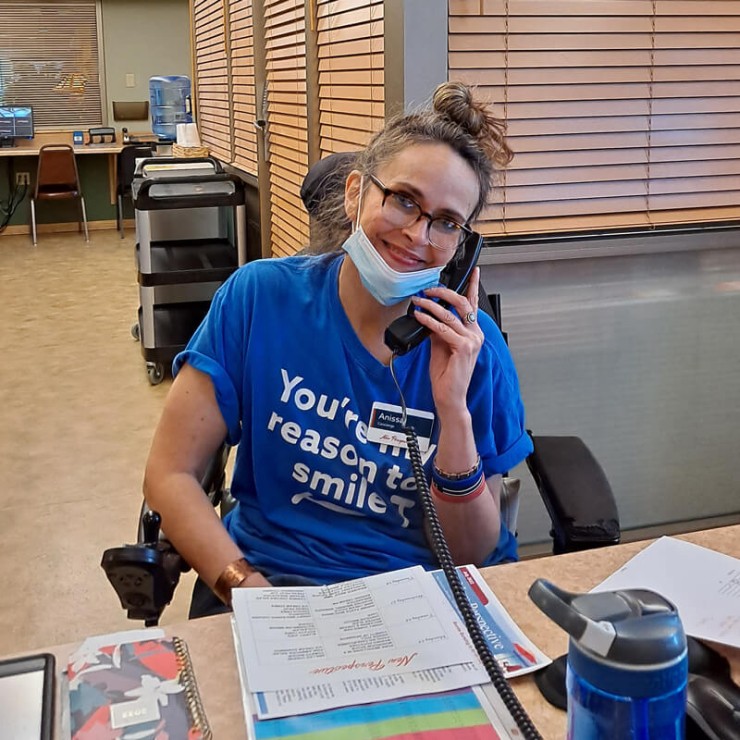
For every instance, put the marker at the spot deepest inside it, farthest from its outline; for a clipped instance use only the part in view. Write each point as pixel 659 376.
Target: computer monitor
pixel 16 122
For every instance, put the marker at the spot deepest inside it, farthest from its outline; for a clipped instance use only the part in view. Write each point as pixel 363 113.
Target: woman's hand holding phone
pixel 456 341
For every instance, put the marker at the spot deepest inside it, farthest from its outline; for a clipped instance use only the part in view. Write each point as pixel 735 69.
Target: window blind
pixel 287 138
pixel 49 60
pixel 241 29
pixel 351 83
pixel 621 114
pixel 212 77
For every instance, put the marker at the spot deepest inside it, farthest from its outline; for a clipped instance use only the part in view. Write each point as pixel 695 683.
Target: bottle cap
pixel 628 641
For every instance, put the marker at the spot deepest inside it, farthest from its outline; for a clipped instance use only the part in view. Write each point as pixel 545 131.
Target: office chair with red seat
pixel 57 179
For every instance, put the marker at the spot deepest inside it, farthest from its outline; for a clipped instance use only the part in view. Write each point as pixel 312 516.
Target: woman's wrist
pixel 232 576
pixel 456 487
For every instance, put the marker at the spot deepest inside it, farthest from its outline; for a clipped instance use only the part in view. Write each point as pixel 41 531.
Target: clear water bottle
pixel 627 662
pixel 170 103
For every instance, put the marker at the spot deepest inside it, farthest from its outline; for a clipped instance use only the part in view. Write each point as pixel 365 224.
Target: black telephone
pixel 406 332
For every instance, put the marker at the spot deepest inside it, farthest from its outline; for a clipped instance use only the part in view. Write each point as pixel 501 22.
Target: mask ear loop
pixel 356 224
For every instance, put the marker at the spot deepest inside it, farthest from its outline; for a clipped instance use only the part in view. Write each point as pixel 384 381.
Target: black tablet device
pixel 27 697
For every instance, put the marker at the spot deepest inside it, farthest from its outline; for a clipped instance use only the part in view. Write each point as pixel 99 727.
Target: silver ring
pixel 470 318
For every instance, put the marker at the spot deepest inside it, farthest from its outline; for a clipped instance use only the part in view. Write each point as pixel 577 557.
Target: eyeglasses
pixel 403 211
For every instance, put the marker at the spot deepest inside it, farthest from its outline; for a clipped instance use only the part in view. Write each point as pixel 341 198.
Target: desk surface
pixel 30 147
pixel 211 644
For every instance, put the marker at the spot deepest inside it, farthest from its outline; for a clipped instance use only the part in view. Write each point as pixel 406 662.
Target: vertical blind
pixel 243 103
pixel 621 114
pixel 212 77
pixel 49 59
pixel 351 85
pixel 287 137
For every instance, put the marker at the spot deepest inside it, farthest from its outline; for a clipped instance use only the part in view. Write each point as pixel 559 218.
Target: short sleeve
pixel 217 349
pixel 496 405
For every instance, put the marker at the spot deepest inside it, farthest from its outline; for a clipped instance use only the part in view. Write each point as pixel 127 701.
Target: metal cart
pixel 190 236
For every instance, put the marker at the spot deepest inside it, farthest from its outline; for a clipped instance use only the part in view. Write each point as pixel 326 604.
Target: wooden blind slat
pixel 624 111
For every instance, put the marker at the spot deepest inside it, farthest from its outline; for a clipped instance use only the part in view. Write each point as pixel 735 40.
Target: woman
pixel 290 364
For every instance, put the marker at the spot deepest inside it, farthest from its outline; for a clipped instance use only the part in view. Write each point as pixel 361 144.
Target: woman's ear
pixel 352 195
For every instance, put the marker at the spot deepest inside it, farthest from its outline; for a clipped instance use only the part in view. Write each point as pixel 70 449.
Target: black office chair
pixel 125 176
pixel 571 482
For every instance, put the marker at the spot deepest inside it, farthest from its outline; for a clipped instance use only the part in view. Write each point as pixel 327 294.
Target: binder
pixel 142 686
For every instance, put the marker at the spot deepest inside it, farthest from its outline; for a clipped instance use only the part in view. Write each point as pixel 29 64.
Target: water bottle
pixel 170 104
pixel 627 662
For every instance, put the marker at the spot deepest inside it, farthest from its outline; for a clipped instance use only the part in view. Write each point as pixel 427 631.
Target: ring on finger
pixel 470 318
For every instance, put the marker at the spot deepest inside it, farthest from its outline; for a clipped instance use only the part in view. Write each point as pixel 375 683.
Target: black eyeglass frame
pixel 465 231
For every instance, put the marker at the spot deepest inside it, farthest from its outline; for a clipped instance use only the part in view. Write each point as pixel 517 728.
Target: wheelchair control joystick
pixel 151 524
pixel 145 575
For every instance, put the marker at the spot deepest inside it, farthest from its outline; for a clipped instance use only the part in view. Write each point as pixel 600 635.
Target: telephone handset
pixel 406 332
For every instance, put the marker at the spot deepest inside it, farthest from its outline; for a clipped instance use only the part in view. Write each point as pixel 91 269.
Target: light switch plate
pixel 130 80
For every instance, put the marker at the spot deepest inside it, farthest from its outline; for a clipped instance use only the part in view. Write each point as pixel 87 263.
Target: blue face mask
pixel 386 285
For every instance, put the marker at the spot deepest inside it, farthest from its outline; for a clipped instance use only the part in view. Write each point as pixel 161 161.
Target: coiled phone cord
pixel 442 553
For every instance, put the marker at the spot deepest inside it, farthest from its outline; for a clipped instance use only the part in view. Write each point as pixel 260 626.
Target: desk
pixel 211 644
pixel 31 147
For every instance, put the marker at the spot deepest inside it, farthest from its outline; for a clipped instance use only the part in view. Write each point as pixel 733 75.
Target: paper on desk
pixel 369 628
pixel 703 584
pixel 357 691
pixel 467 712
pixel 515 653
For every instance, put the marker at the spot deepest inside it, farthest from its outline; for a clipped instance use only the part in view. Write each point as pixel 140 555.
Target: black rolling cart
pixel 190 236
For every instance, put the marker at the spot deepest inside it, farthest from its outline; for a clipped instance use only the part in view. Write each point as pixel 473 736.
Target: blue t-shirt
pixel 295 387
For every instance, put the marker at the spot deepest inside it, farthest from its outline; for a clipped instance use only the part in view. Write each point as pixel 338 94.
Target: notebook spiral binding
pixel 195 704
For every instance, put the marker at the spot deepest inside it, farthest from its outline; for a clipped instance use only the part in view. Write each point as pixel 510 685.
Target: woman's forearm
pixel 471 525
pixel 191 523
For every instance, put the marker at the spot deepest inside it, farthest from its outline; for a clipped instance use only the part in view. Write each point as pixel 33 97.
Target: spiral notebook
pixel 147 686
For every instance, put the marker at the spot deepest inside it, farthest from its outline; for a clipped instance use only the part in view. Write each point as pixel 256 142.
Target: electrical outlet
pixel 22 178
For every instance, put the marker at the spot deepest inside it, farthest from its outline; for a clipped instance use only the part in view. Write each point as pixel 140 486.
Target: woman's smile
pixel 401 259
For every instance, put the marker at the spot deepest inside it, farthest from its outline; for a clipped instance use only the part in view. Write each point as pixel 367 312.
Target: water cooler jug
pixel 170 104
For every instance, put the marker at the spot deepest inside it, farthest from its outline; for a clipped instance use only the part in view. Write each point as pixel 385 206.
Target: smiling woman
pixel 291 365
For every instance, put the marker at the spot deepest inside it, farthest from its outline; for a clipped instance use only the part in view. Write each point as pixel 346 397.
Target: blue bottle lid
pixel 628 643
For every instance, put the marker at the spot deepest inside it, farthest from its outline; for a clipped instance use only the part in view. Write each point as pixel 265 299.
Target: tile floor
pixel 77 417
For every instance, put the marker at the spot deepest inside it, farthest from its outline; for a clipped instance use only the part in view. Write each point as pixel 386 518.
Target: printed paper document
pixel 703 584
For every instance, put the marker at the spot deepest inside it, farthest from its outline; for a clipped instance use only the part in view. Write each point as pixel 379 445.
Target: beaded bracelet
pixel 459 476
pixel 459 497
pixel 458 483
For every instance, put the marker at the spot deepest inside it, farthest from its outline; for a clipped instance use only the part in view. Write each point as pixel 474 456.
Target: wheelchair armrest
pixel 145 575
pixel 576 493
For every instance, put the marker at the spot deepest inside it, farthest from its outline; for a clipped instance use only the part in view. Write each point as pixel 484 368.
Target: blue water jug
pixel 170 103
pixel 627 662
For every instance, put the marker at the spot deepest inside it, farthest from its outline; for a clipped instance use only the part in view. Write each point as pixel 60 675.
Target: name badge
pixel 385 425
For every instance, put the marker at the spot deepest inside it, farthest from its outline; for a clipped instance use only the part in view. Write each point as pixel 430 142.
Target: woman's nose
pixel 418 232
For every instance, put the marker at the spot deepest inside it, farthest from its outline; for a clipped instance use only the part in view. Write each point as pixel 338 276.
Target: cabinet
pixel 190 236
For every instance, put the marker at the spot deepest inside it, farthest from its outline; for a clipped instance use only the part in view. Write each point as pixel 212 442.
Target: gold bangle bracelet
pixel 231 577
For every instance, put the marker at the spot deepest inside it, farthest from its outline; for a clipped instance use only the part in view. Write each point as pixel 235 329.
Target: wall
pixel 143 38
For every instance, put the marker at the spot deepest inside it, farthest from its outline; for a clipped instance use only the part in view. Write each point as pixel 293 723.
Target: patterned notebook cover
pixel 140 689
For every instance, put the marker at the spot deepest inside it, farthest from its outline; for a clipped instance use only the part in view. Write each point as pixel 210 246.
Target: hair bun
pixel 455 101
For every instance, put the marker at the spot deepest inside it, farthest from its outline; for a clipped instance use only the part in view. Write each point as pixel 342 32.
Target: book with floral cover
pixel 123 690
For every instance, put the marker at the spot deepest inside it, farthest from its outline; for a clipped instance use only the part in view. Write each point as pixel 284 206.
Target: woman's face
pixel 434 176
